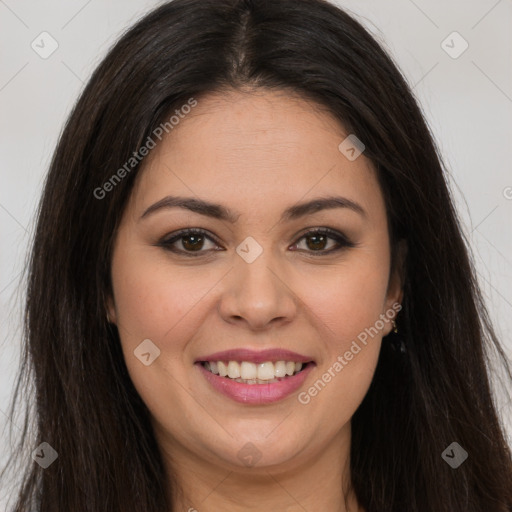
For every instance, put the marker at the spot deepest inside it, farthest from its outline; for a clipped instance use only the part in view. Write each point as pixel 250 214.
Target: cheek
pixel 348 299
pixel 151 300
pixel 347 304
pixel 163 306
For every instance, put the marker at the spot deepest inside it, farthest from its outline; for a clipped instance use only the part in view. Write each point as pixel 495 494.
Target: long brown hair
pixel 420 401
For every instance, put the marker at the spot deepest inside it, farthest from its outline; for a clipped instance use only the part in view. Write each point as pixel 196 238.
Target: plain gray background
pixel 467 101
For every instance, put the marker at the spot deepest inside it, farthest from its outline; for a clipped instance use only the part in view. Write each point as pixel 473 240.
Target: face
pixel 266 280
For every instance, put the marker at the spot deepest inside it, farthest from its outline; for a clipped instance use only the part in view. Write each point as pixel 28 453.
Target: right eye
pixel 192 242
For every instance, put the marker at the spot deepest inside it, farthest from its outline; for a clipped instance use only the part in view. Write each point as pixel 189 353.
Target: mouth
pixel 247 372
pixel 255 377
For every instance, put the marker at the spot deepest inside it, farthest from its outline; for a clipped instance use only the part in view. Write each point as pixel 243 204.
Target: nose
pixel 257 294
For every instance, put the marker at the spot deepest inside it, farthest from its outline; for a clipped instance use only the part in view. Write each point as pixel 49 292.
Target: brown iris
pixel 195 242
pixel 318 243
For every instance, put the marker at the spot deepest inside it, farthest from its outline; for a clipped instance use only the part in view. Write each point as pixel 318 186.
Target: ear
pixel 111 309
pixel 395 292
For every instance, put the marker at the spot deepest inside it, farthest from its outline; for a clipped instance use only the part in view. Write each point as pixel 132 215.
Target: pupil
pixel 320 239
pixel 196 242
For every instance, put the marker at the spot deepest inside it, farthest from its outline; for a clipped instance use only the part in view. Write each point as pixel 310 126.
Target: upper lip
pixel 256 356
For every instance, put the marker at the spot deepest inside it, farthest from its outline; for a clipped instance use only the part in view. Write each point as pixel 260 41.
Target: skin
pixel 257 153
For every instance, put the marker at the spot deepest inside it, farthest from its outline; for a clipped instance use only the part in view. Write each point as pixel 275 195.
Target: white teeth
pixel 233 370
pixel 252 373
pixel 256 381
pixel 223 369
pixel 280 369
pixel 266 371
pixel 248 371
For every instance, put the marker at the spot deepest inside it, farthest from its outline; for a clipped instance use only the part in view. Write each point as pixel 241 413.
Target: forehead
pixel 256 149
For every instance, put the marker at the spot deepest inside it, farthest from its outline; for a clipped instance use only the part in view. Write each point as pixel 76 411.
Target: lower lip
pixel 256 393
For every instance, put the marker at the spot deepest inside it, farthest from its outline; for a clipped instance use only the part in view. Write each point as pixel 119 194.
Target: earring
pixel 397 342
pixel 108 318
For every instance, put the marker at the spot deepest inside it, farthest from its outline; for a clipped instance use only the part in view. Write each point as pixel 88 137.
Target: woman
pixel 248 287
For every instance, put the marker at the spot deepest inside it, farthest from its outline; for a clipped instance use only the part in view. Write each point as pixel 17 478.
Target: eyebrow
pixel 220 212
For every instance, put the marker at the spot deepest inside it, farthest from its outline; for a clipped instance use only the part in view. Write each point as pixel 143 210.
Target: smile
pixel 250 373
pixel 254 391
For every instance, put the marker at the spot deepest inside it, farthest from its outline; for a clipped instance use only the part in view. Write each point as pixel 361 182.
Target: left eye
pixel 193 241
pixel 317 241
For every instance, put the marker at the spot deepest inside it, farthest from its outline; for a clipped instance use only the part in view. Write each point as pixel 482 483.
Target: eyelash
pixel 342 241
